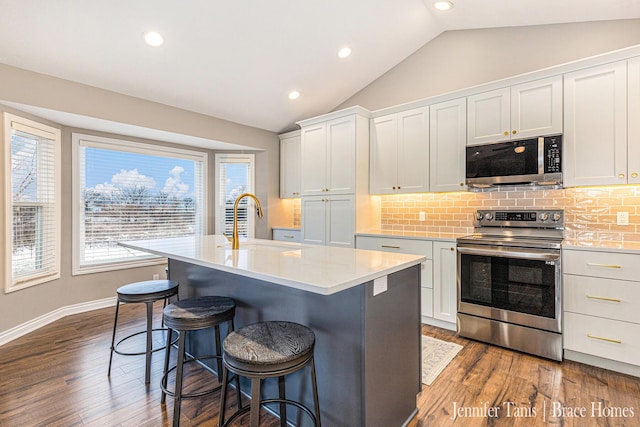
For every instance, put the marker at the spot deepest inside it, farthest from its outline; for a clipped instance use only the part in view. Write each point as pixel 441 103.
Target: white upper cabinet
pixel 328 220
pixel 399 152
pixel 527 110
pixel 633 163
pixel 290 165
pixel 595 137
pixel 447 142
pixel 328 157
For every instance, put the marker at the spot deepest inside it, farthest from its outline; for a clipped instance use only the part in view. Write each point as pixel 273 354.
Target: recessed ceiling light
pixel 294 94
pixel 344 52
pixel 153 38
pixel 443 5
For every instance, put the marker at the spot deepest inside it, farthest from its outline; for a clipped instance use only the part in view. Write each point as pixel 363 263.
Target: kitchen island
pixel 363 306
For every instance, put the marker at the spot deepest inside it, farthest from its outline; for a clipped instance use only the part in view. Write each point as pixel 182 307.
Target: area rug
pixel 436 355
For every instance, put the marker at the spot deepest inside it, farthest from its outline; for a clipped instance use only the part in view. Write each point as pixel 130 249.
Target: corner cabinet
pixel 527 110
pixel 290 165
pixel 447 145
pixel 399 152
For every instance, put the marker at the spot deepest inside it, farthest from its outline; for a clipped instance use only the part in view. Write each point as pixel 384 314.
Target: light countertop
pixel 320 269
pixel 447 237
pixel 602 245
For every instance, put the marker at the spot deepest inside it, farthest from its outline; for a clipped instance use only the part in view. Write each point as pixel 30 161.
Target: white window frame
pixel 219 209
pixel 79 140
pixel 12 121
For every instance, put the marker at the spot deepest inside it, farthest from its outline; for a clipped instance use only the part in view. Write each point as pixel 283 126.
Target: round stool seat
pixel 268 346
pixel 148 291
pixel 199 313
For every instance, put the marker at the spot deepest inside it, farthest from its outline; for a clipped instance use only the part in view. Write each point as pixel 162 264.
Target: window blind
pixel 34 204
pixel 130 191
pixel 235 176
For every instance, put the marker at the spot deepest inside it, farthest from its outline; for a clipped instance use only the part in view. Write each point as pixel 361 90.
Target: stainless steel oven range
pixel 509 281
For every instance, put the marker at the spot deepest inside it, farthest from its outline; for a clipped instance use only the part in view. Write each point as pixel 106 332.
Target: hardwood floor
pixel 56 376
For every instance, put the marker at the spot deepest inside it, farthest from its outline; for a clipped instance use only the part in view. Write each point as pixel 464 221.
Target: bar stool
pixel 147 292
pixel 195 314
pixel 268 350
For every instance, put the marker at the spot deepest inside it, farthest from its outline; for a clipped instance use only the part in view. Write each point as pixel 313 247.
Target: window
pixel 32 203
pixel 132 191
pixel 235 176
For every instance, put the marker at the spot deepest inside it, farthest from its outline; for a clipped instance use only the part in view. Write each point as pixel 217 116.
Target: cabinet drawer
pixel 287 235
pixel 407 246
pixel 611 339
pixel 426 304
pixel 389 244
pixel 608 298
pixel 610 265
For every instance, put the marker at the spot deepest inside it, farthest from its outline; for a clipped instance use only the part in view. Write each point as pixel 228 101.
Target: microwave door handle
pixel 496 251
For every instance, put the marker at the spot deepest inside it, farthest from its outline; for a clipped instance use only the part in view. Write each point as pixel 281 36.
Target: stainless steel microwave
pixel 535 161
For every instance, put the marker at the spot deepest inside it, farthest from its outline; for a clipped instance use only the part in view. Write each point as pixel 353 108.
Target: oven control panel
pixel 529 218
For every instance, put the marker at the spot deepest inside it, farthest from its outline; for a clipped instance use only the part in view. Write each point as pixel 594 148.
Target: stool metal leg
pixel 167 355
pixel 218 351
pixel 113 337
pixel 314 384
pixel 178 391
pixel 283 406
pixel 223 396
pixel 254 415
pixel 147 369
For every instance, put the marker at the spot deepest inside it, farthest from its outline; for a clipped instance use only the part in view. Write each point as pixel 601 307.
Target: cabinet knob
pixel 394 187
pixel 620 175
pixel 506 133
pixel 462 184
pixel 452 249
pixel 398 187
pixel 514 131
pixel 634 175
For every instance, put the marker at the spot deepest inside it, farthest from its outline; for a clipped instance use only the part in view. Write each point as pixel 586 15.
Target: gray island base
pixel 367 347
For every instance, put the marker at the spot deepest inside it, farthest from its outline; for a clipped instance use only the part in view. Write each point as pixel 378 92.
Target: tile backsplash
pixel 590 212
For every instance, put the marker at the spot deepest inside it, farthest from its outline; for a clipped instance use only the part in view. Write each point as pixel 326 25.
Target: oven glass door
pixel 517 281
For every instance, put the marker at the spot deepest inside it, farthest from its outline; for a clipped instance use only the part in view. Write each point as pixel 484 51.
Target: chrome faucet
pixel 235 242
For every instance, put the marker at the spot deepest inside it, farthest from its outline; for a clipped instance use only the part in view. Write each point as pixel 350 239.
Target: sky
pixel 106 170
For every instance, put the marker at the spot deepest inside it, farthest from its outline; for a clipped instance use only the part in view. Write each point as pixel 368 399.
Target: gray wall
pixel 462 59
pixel 30 88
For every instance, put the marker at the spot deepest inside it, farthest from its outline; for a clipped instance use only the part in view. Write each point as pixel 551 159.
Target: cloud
pixel 174 185
pixel 127 178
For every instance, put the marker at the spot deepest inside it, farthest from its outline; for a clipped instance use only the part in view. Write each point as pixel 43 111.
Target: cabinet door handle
pixel 514 131
pixel 390 247
pixel 288 237
pixel 604 298
pixel 595 337
pixel 595 264
pixel 620 175
pixel 506 133
pixel 634 175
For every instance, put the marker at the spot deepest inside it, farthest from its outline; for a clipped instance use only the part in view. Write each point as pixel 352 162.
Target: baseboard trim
pixel 45 319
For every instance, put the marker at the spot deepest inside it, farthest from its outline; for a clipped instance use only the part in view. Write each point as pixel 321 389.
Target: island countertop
pixel 320 269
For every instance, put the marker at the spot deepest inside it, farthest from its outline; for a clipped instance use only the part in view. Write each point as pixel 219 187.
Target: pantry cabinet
pixel 329 156
pixel 595 138
pixel 290 165
pixel 328 220
pixel 522 111
pixel 447 145
pixel 399 152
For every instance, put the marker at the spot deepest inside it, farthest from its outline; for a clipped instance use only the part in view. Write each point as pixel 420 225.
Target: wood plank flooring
pixel 56 376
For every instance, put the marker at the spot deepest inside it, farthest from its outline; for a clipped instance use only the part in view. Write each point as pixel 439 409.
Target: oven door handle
pixel 502 252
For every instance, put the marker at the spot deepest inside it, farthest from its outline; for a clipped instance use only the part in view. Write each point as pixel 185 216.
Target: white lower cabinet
pixel 286 235
pixel 445 294
pixel 602 309
pixel 438 292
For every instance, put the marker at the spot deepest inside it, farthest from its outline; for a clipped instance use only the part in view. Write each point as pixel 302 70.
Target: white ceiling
pixel 238 59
